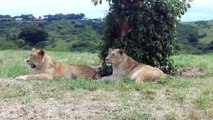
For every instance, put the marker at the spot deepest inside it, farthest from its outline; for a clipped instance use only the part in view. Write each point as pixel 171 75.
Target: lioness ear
pixel 41 52
pixel 110 49
pixel 121 51
pixel 33 49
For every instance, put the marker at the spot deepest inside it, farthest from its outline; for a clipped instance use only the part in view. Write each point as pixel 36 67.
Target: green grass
pixel 203 62
pixel 98 99
pixel 205 99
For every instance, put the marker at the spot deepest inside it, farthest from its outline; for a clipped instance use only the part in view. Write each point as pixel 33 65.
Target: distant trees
pixel 187 33
pixel 23 16
pixel 65 16
pixel 5 16
pixel 34 37
pixel 27 17
pixel 60 16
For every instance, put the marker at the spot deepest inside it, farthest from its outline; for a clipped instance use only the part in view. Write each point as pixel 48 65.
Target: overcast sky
pixel 201 9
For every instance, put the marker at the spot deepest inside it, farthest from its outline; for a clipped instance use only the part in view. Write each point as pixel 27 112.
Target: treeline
pixel 59 16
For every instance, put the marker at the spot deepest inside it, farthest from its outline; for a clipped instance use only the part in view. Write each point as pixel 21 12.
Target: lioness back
pixel 83 71
pixel 146 72
pixel 123 65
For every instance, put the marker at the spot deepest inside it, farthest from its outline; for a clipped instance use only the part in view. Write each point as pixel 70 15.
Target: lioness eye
pixel 32 55
pixel 113 54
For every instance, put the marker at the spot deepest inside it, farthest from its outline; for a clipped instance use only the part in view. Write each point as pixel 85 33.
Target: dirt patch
pixel 192 72
pixel 75 105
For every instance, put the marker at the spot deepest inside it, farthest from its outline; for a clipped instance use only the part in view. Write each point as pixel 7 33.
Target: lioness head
pixel 35 59
pixel 115 56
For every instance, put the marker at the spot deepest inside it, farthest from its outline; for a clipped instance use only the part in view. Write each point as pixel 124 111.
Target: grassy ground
pixel 187 96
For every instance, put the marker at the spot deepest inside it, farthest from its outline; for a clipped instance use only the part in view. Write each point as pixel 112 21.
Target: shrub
pixel 144 28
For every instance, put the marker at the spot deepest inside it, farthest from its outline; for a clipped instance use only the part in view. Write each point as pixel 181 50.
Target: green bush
pixel 83 46
pixel 145 29
pixel 7 44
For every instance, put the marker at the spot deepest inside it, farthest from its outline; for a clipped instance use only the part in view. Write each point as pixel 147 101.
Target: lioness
pixel 125 66
pixel 44 67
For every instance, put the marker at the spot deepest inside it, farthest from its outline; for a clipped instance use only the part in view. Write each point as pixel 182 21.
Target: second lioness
pixel 45 67
pixel 125 66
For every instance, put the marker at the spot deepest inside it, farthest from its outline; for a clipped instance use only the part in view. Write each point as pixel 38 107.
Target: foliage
pixel 64 33
pixel 186 32
pixel 61 16
pixel 27 17
pixel 207 48
pixel 7 44
pixel 82 46
pixel 144 28
pixel 33 36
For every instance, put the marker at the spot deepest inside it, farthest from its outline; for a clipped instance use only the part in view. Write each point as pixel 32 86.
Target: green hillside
pixel 73 35
pixel 85 35
pixel 194 37
pixel 205 27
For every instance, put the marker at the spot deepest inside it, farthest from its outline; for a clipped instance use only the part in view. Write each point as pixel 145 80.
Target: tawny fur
pixel 44 67
pixel 125 66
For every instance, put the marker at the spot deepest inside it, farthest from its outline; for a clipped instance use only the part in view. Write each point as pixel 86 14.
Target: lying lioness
pixel 44 67
pixel 125 66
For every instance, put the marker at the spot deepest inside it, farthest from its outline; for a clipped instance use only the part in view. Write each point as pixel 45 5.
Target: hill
pixel 85 35
pixel 73 35
pixel 205 28
pixel 194 37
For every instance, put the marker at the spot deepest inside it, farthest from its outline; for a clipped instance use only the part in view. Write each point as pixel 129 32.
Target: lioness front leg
pixel 139 79
pixel 34 77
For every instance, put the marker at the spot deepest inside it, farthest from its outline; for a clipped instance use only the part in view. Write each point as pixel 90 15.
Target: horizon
pixel 42 16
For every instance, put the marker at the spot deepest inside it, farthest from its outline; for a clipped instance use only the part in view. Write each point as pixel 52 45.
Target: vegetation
pixel 60 16
pixel 97 99
pixel 86 35
pixel 33 37
pixel 73 35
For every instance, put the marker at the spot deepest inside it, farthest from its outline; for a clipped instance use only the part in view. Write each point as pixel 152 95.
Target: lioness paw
pixel 21 78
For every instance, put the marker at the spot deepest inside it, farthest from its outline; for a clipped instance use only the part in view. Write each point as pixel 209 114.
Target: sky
pixel 200 9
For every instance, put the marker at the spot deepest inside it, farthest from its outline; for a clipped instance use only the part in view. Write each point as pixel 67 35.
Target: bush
pixel 145 29
pixel 83 47
pixel 6 44
pixel 33 36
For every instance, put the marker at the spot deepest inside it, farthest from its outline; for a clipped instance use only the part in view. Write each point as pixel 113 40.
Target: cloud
pixel 200 10
pixel 44 7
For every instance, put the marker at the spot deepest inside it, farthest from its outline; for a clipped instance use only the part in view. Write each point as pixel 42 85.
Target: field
pixel 187 96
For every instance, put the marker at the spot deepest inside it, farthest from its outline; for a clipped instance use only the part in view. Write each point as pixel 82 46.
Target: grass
pixel 202 62
pixel 179 98
pixel 204 99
